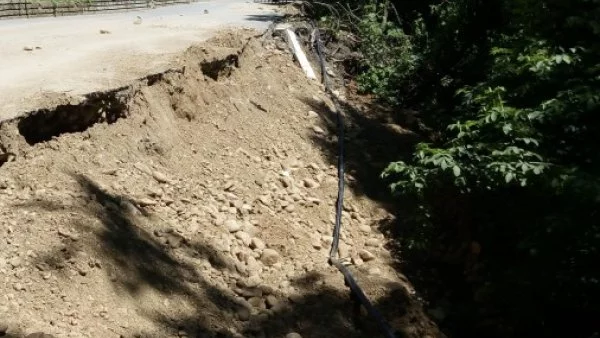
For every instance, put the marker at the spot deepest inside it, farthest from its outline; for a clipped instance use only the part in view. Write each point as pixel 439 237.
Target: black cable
pixel 357 292
pixel 355 289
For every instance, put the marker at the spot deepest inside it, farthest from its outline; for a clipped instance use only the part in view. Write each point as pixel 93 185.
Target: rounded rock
pixel 253 281
pixel 364 228
pixel 244 237
pixel 310 183
pixel 257 302
pixel 257 243
pixel 373 242
pixel 366 255
pixel 293 335
pixel 15 262
pixel 271 301
pixel 243 314
pixel 252 265
pixel 357 261
pixel 232 225
pixel 374 271
pixel 160 177
pixel 316 243
pixel 318 130
pixel 343 250
pixel 286 181
pixel 269 257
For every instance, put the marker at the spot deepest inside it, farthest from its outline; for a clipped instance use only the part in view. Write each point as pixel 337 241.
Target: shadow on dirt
pixel 150 263
pixel 263 17
pixel 370 144
pixel 372 141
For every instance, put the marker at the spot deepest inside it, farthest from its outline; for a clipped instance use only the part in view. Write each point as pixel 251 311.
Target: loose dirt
pixel 192 203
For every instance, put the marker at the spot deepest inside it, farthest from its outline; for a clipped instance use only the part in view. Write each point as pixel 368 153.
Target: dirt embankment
pixel 194 203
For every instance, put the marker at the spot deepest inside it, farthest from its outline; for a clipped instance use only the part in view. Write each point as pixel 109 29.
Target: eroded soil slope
pixel 194 203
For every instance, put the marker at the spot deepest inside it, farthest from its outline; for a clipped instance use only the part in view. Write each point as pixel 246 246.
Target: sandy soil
pixel 74 58
pixel 197 203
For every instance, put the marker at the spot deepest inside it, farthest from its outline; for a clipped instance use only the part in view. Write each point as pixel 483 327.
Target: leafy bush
pixel 529 127
pixel 511 91
pixel 387 52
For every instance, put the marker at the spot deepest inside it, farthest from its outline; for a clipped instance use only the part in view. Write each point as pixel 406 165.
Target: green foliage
pixel 495 146
pixel 387 53
pixel 528 124
pixel 511 90
pixel 551 91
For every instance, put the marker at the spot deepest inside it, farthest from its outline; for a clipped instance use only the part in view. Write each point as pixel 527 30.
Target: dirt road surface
pixel 70 56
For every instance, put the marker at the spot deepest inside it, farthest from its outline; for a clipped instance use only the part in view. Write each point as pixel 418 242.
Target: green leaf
pixel 509 177
pixel 444 164
pixel 456 171
pixel 534 115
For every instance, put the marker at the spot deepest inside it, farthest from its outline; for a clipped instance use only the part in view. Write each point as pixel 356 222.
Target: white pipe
pixel 300 56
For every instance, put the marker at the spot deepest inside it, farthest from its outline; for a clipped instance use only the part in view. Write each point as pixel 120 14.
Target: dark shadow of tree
pixel 371 142
pixel 136 257
pixel 445 272
pixel 373 139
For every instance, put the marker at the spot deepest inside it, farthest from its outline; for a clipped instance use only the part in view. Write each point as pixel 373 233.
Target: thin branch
pixel 397 15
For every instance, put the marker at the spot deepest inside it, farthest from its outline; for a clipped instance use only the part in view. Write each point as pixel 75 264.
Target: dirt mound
pixel 193 203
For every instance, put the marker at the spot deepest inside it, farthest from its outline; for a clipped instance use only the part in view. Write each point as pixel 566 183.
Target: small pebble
pixel 232 225
pixel 310 183
pixel 366 256
pixel 374 271
pixel 373 242
pixel 318 130
pixel 316 243
pixel 257 244
pixel 364 228
pixel 269 257
pixel 243 314
pixel 160 177
pixel 244 237
pixel 271 301
pixel 15 262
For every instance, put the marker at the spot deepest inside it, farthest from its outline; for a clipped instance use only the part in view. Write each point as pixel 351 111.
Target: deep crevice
pixel 101 107
pixel 220 67
pixel 44 124
pixel 154 79
pixel 5 155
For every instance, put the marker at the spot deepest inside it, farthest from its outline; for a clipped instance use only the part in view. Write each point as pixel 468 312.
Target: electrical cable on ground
pixel 355 289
